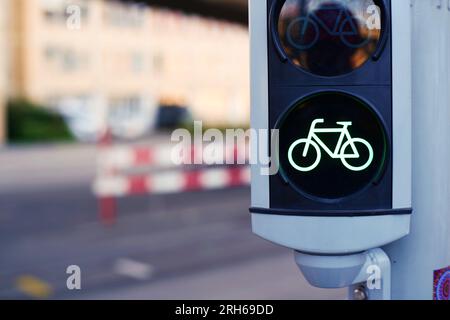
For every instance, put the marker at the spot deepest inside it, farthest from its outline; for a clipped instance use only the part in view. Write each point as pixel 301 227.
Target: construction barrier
pixel 125 157
pixel 172 182
pixel 117 177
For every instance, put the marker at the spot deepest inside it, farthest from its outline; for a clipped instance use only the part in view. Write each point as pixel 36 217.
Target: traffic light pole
pixel 427 249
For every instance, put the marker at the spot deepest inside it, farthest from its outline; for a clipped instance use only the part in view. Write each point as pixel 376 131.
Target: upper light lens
pixel 329 37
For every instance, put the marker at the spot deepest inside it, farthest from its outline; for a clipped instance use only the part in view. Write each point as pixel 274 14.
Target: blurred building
pixel 4 63
pixel 204 63
pixel 113 60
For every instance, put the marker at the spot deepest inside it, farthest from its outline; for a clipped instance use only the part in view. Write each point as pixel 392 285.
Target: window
pixel 65 59
pixel 124 15
pixel 137 63
pixel 55 11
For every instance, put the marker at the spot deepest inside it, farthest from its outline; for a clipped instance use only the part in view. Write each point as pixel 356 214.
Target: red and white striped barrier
pixel 124 157
pixel 115 164
pixel 172 182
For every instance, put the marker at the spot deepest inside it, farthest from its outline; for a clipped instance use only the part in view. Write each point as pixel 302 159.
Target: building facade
pixel 111 59
pixel 4 64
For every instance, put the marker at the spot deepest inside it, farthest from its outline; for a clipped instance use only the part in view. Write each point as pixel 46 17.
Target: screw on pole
pixel 360 294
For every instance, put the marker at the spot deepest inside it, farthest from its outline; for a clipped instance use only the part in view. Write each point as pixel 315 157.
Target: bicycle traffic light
pixel 333 78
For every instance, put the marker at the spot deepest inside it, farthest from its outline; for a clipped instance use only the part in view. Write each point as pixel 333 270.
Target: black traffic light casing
pixel 306 97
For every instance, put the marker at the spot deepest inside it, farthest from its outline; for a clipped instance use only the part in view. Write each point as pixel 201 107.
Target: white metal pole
pixel 427 248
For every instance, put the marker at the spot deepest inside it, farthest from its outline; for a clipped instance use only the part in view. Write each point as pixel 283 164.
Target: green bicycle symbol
pixel 346 147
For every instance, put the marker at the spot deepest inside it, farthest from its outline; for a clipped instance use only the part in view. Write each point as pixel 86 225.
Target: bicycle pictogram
pixel 304 31
pixel 346 148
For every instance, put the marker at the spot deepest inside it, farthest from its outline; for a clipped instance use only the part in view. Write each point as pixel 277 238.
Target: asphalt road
pixel 181 246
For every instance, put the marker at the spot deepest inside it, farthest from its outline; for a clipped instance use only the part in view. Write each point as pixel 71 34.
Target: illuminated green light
pixel 340 151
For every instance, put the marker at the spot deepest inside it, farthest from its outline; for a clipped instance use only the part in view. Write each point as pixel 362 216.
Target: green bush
pixel 29 123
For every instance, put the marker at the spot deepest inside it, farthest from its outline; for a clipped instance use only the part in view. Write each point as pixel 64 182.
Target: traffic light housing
pixel 333 77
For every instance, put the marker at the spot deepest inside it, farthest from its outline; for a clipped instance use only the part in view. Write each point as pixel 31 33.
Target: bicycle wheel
pixel 302 33
pixel 294 149
pixel 364 144
pixel 351 34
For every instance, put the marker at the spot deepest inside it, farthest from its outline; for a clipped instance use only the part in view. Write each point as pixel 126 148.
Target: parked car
pixel 172 116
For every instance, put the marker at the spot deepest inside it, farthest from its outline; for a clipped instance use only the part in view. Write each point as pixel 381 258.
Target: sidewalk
pixel 249 280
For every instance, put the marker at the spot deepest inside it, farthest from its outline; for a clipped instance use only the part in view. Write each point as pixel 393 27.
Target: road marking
pixel 34 287
pixel 133 269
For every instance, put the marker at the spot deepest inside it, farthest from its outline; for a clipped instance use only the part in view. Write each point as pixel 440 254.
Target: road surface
pixel 181 246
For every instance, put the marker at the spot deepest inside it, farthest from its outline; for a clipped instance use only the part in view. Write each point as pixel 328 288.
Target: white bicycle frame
pixel 338 153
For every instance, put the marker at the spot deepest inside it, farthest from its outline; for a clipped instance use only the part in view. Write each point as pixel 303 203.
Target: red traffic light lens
pixel 329 37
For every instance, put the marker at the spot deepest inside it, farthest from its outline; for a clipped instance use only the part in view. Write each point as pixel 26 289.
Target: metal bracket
pixel 374 280
pixel 367 274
